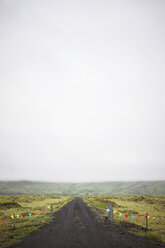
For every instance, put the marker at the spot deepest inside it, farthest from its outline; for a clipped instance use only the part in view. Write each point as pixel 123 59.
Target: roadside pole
pixel 147 220
pixel 110 213
pixel 14 221
pixel 51 212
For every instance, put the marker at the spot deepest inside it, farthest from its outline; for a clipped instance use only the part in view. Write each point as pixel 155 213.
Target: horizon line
pixel 86 182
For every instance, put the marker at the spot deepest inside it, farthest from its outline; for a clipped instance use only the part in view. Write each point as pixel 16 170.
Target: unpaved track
pixel 76 225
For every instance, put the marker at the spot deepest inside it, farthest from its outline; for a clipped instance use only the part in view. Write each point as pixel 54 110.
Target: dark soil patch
pixel 9 205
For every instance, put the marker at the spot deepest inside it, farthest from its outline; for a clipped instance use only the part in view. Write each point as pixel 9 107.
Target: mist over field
pixel 106 188
pixel 82 91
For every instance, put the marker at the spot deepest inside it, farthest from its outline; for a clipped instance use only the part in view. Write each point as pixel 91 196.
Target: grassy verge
pixel 136 206
pixel 23 205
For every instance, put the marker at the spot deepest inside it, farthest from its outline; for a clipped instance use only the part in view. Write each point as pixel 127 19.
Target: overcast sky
pixel 82 90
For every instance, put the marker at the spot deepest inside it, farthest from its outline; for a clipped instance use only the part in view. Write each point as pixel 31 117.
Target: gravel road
pixel 75 225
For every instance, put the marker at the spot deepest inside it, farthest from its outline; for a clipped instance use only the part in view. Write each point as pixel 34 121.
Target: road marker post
pixel 14 221
pixel 110 213
pixel 147 220
pixel 51 212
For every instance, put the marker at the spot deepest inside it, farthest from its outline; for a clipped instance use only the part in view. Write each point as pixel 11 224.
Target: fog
pixel 82 86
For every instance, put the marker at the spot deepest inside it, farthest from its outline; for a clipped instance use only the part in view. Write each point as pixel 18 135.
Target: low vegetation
pixel 136 206
pixel 131 205
pixel 23 205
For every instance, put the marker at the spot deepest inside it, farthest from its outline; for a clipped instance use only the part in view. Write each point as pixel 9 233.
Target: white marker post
pixel 51 212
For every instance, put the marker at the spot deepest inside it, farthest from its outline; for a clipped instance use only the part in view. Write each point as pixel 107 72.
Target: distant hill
pixel 113 188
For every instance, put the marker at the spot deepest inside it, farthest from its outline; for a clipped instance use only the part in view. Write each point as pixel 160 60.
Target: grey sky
pixel 82 90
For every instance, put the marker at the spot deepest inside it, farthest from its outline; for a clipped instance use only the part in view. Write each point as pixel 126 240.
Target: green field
pixel 25 204
pixel 131 205
pixel 136 206
pixel 111 188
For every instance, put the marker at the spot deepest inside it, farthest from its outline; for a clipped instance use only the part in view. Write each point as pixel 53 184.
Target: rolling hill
pixel 113 188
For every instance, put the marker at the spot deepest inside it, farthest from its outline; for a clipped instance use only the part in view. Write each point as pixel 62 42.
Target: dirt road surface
pixel 76 226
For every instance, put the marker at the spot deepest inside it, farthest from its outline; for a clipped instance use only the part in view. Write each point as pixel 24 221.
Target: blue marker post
pixel 110 213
